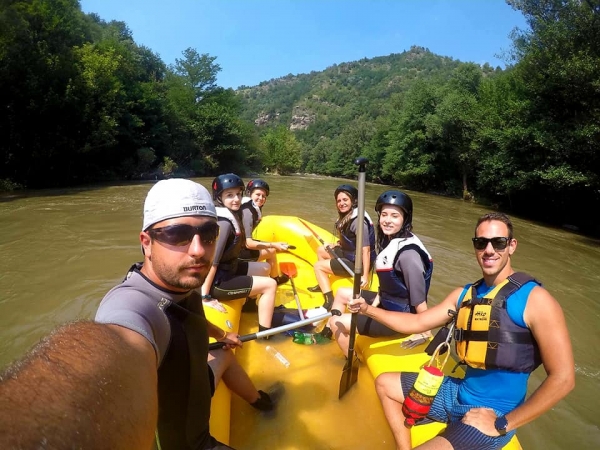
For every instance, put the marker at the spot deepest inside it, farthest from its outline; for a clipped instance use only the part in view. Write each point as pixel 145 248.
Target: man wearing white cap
pixel 158 300
pixel 145 359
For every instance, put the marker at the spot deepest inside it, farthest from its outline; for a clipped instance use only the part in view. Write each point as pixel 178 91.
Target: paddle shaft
pixel 328 249
pixel 296 297
pixel 290 326
pixel 350 373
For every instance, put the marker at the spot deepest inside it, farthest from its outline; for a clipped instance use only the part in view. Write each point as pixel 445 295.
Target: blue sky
pixel 256 40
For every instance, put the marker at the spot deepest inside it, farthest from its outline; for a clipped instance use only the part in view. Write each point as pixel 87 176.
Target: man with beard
pixel 507 325
pixel 104 384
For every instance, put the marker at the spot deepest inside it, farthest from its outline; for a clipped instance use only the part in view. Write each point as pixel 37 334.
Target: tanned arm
pixel 406 322
pixel 546 320
pixel 366 263
pixel 86 385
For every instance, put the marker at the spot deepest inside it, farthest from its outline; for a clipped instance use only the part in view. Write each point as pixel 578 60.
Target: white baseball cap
pixel 176 197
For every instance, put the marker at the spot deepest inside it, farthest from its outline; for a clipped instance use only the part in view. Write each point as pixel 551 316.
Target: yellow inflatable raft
pixel 309 414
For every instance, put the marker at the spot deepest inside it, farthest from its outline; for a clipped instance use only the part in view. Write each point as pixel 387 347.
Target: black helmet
pixel 226 181
pixel 396 198
pixel 257 184
pixel 348 189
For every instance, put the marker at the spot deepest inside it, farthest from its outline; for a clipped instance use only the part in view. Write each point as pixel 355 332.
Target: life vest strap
pixel 515 282
pixel 493 336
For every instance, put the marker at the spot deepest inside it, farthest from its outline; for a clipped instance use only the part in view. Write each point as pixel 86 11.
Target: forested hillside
pixel 524 139
pixel 334 113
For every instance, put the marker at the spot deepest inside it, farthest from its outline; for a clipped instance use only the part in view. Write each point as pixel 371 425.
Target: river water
pixel 61 250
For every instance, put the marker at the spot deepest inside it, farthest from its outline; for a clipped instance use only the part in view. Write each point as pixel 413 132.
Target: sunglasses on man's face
pixel 182 234
pixel 499 243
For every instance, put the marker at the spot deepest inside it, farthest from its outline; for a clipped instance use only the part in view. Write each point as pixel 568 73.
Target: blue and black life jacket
pixel 393 292
pixel 348 238
pixel 487 338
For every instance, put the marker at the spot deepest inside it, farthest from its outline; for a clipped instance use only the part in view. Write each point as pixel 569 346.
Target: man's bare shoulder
pixel 542 307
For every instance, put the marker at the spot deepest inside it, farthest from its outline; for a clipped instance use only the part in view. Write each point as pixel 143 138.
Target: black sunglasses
pixel 499 243
pixel 182 234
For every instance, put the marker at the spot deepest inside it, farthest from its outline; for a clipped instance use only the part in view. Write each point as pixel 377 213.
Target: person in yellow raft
pixel 257 191
pixel 484 409
pixel 346 201
pixel 229 278
pixel 404 268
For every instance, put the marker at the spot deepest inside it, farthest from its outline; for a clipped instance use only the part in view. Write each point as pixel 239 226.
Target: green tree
pixel 36 69
pixel 199 70
pixel 558 61
pixel 207 132
pixel 411 155
pixel 282 151
pixel 454 127
pixel 168 166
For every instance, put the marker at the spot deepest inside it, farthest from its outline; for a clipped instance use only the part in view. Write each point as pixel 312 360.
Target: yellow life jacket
pixel 487 338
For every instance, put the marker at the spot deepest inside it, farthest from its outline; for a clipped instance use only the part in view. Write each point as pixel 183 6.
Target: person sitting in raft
pixel 404 268
pixel 528 329
pixel 229 278
pixel 257 191
pixel 346 198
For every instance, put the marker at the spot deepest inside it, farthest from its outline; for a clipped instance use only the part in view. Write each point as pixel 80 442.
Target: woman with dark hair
pixel 346 199
pixel 404 267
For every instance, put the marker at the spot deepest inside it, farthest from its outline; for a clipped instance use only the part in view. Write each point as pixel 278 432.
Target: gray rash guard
pixel 133 305
pixel 247 222
pixel 410 264
pixel 175 324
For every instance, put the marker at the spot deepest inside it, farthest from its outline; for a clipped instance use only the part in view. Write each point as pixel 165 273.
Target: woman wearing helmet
pixel 228 277
pixel 346 198
pixel 404 267
pixel 257 192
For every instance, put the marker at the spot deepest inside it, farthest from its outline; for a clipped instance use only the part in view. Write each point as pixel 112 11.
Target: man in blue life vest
pixel 142 371
pixel 506 326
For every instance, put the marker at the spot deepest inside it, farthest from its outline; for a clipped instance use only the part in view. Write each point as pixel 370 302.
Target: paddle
pixel 289 268
pixel 281 329
pixel 328 248
pixel 350 372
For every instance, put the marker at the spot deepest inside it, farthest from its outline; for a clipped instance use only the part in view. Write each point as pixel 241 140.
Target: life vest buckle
pixel 459 334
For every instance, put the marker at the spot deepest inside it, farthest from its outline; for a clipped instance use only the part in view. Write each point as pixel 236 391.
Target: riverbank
pixel 10 191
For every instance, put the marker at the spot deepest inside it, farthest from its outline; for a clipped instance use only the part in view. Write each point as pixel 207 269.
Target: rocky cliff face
pixel 301 118
pixel 264 119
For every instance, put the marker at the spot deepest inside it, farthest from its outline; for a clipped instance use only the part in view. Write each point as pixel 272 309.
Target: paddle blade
pixel 288 268
pixel 349 376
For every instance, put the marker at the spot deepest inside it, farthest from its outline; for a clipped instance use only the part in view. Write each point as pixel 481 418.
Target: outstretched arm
pixel 406 322
pixel 86 385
